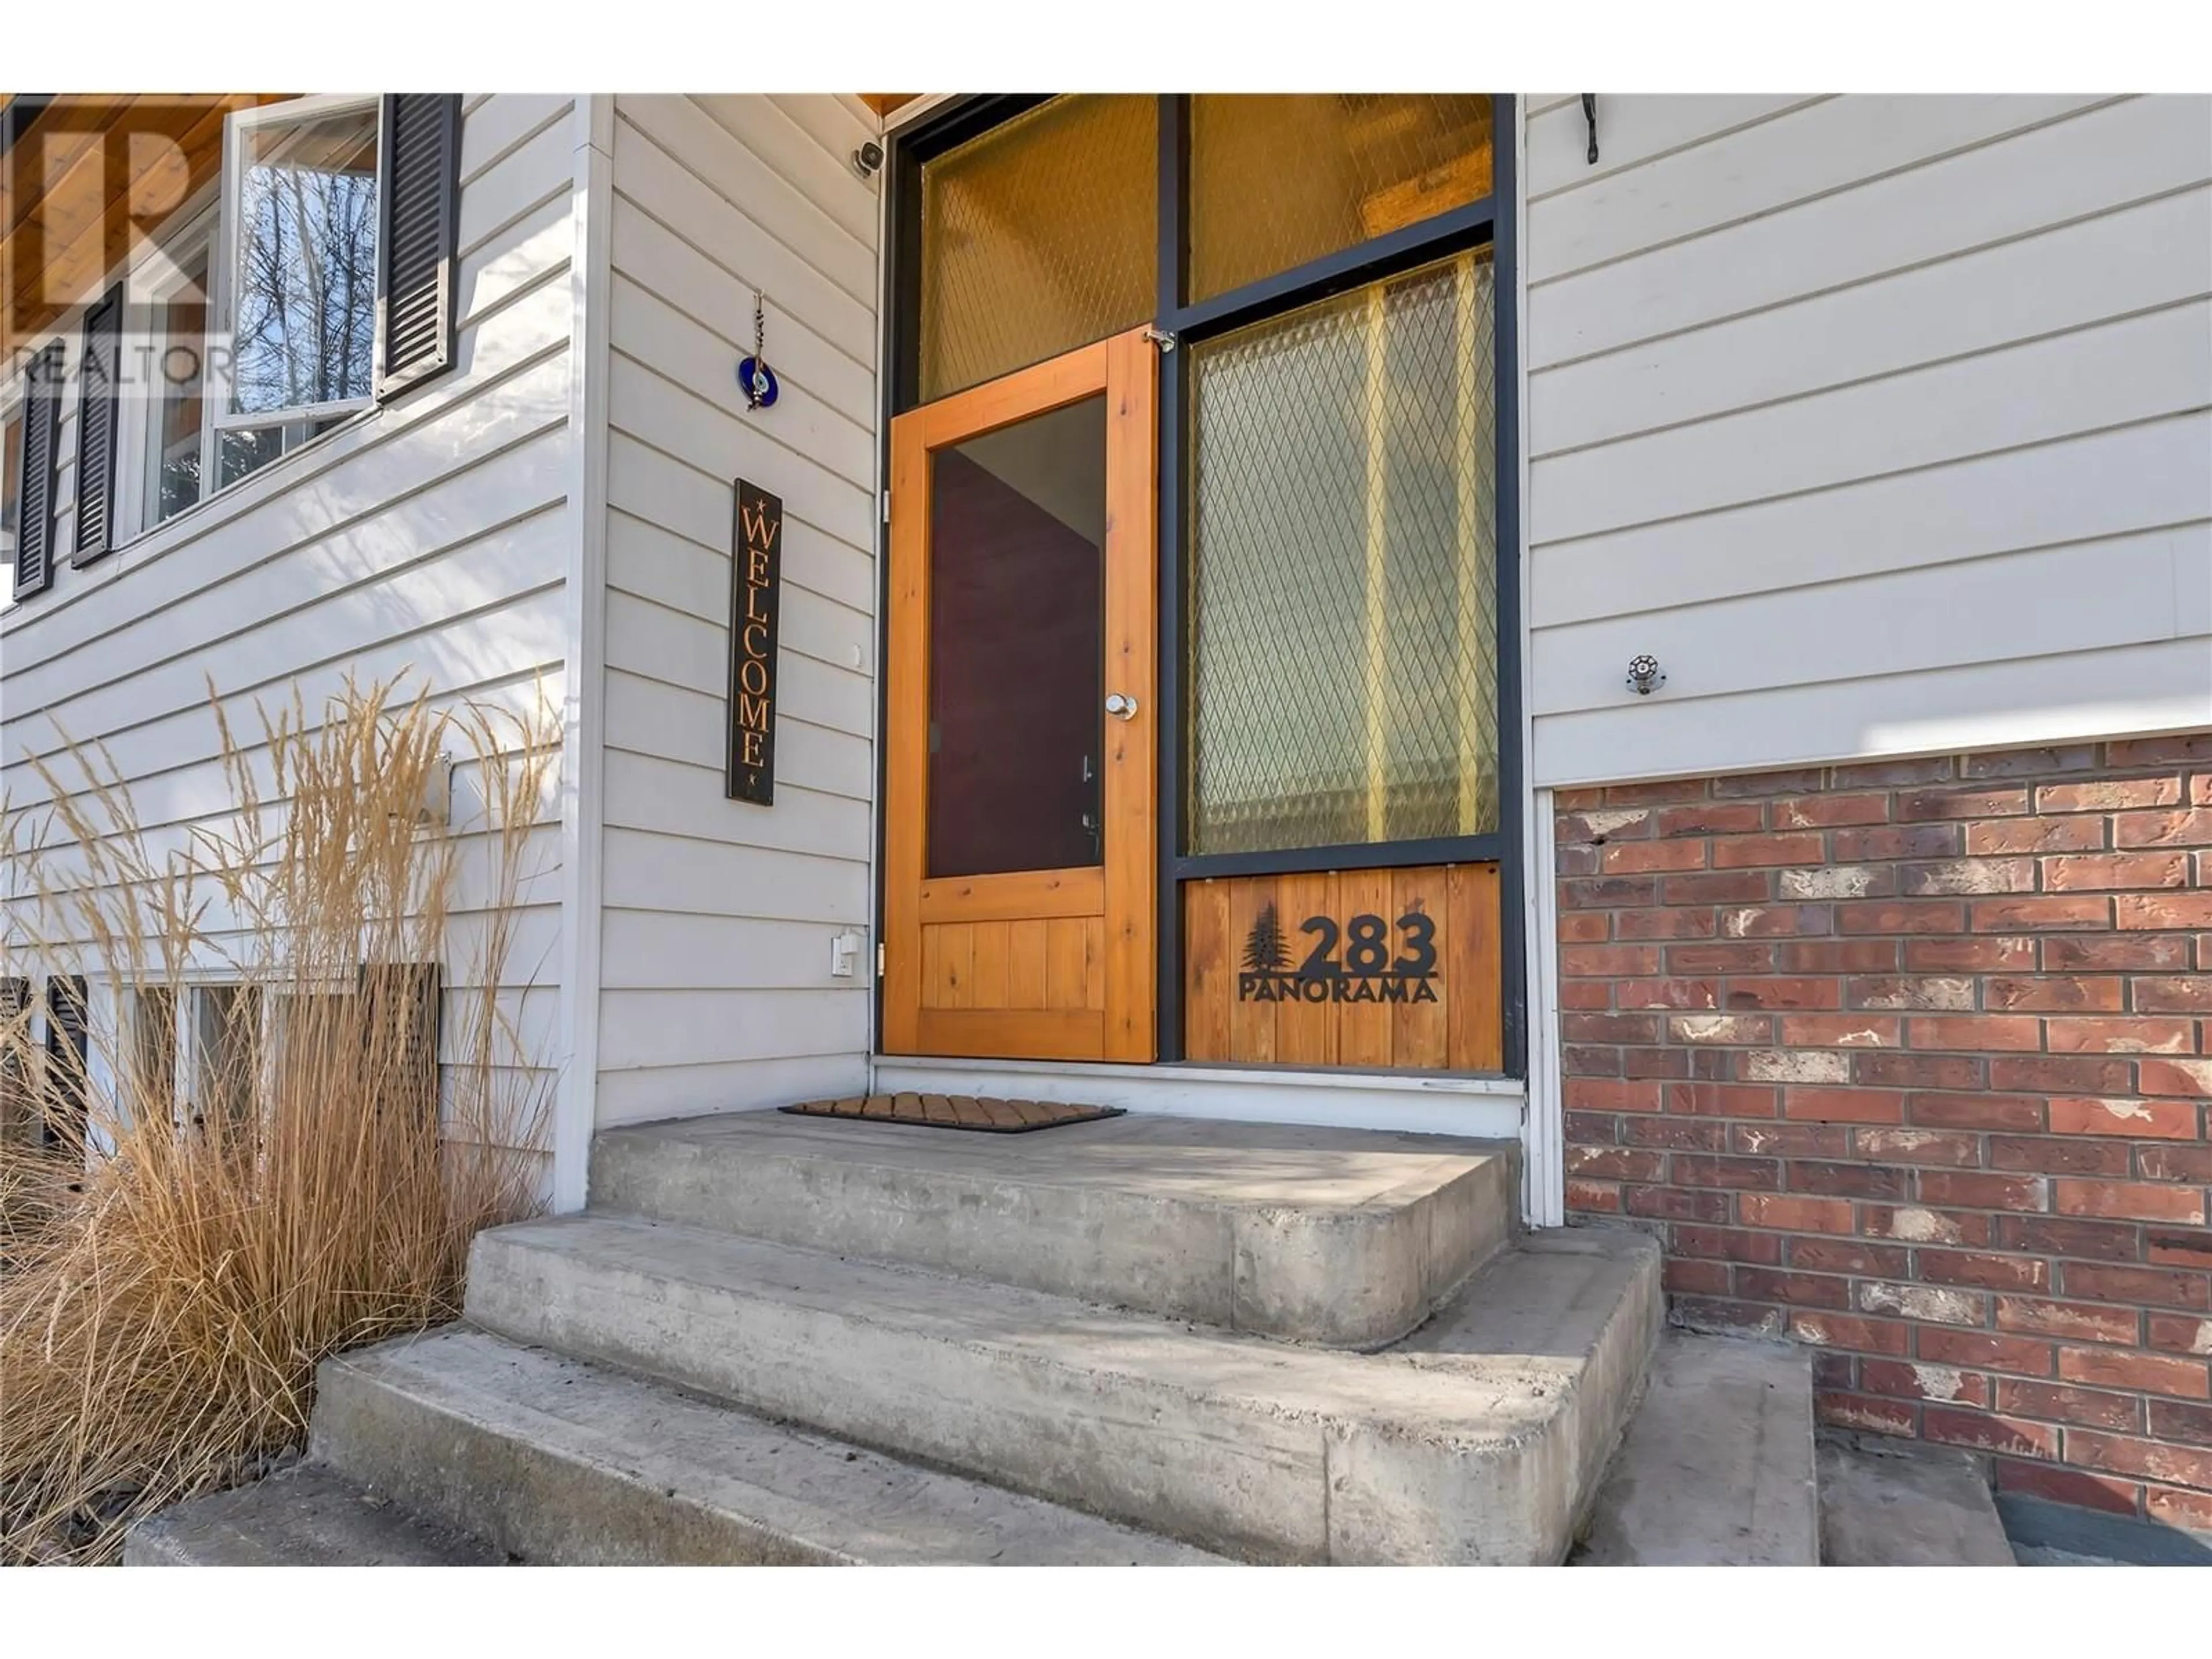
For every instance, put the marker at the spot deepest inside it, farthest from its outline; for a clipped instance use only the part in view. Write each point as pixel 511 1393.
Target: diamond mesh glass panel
pixel 1344 571
pixel 1279 179
pixel 1038 237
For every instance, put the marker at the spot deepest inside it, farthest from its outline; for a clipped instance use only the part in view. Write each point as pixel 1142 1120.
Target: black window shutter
pixel 69 1051
pixel 402 1024
pixel 14 1087
pixel 416 253
pixel 42 444
pixel 101 377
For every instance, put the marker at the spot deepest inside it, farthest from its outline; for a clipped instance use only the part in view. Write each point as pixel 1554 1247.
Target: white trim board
pixel 583 715
pixel 1543 1146
pixel 1480 1108
pixel 1544 1161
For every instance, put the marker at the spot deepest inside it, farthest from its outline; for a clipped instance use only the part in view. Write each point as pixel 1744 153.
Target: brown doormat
pixel 1002 1117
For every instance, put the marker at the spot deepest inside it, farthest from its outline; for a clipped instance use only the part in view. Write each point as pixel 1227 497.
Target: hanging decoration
pixel 754 376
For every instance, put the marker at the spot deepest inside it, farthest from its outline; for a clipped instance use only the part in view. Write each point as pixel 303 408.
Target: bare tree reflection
pixel 307 266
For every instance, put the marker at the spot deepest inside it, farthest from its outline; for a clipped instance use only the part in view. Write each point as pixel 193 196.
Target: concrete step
pixel 1716 1469
pixel 305 1516
pixel 1899 1504
pixel 2048 1534
pixel 1343 1238
pixel 557 1462
pixel 1478 1440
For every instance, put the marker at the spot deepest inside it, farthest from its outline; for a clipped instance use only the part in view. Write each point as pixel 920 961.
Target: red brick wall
pixel 1909 1060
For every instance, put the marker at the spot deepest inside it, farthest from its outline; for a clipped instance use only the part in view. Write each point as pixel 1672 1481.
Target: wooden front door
pixel 1020 826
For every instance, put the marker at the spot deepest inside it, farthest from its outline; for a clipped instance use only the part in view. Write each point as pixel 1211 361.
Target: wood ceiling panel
pixel 89 177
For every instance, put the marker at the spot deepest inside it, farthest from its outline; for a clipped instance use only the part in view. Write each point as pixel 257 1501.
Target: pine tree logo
pixel 1264 950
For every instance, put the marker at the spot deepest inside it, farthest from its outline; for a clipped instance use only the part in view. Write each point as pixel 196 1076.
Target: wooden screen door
pixel 1021 731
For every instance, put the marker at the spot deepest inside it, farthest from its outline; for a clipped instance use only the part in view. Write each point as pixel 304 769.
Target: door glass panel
pixel 1343 585
pixel 1038 237
pixel 1017 608
pixel 1279 179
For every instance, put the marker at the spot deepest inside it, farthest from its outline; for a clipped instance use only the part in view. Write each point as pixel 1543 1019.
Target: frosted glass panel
pixel 1279 179
pixel 1038 237
pixel 1344 572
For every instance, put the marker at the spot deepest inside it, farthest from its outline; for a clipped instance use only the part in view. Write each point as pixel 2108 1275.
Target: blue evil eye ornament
pixel 758 382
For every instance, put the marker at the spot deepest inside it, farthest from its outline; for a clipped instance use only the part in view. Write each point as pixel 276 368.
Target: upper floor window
pixel 176 350
pixel 260 314
pixel 307 271
pixel 289 275
pixel 298 285
pixel 11 478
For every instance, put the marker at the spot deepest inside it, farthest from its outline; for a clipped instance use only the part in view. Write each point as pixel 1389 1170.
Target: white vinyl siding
pixel 427 536
pixel 719 916
pixel 1884 422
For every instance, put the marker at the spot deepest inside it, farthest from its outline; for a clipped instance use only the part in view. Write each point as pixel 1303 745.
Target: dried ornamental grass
pixel 173 1266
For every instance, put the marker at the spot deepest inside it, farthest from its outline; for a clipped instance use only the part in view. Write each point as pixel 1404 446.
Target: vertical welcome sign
pixel 756 566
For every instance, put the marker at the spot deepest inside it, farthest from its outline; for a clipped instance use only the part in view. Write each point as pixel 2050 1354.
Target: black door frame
pixel 966 116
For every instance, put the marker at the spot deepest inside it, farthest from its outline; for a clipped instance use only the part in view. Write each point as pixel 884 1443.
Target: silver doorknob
pixel 1119 707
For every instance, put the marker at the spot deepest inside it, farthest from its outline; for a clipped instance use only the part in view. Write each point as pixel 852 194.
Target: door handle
pixel 1121 706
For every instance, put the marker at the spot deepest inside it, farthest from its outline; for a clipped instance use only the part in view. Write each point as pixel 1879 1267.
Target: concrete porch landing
pixel 1346 1238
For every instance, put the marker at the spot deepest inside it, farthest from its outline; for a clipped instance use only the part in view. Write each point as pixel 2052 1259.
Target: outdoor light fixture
pixel 436 806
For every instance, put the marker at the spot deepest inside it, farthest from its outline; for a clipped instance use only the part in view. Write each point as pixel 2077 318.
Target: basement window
pixel 153 1085
pixel 226 1050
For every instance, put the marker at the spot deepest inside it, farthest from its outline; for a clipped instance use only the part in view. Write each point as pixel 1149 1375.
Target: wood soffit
pixel 84 178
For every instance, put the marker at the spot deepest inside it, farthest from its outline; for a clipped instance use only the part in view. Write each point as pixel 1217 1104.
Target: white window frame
pixel 222 270
pixel 14 405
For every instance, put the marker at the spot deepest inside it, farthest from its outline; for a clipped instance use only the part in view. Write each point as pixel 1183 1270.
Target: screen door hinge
pixel 887 507
pixel 879 958
pixel 1164 338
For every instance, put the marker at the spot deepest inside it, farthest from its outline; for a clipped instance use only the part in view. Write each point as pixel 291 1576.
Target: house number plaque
pixel 1399 968
pixel 757 564
pixel 1366 970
